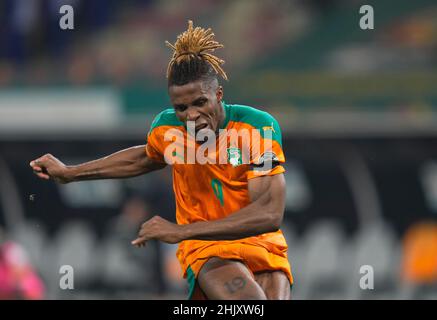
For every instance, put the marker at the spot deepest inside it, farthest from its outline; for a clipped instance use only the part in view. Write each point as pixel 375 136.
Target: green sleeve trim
pixel 166 118
pixel 259 119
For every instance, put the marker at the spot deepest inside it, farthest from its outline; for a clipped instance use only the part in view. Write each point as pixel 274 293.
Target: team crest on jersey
pixel 234 156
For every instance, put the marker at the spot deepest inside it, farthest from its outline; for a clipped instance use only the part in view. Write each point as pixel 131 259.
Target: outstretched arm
pixel 263 214
pixel 126 163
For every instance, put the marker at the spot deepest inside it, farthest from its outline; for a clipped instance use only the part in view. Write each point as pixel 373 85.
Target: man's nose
pixel 192 114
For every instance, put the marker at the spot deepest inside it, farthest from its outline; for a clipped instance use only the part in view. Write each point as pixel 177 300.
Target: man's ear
pixel 219 93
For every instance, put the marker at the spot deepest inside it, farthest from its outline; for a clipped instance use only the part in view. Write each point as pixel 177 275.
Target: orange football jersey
pixel 219 187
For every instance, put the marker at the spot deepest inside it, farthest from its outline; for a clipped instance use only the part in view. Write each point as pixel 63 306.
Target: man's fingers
pixel 139 242
pixel 37 169
pixel 144 230
pixel 42 175
pixel 36 166
pixel 40 172
pixel 40 162
pixel 36 162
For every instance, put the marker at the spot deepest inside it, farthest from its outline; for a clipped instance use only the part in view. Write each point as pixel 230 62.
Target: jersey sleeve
pixel 154 145
pixel 165 128
pixel 267 155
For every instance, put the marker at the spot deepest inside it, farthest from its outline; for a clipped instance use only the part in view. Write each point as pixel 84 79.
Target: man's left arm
pixel 263 214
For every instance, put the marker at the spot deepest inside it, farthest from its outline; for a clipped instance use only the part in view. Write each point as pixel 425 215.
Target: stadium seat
pixel 317 266
pixel 374 245
pixel 75 245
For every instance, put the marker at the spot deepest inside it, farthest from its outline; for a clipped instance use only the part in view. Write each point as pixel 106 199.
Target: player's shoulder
pixel 166 117
pixel 250 115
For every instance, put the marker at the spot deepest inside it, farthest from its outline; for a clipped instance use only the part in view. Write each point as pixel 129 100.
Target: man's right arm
pixel 126 163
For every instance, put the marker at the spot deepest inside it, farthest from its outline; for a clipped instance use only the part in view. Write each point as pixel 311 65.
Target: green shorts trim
pixel 191 278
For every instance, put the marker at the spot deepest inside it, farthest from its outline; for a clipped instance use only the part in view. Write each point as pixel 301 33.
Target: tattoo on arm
pixel 235 284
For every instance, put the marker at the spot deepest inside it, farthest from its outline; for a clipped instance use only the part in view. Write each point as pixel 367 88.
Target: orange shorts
pixel 256 258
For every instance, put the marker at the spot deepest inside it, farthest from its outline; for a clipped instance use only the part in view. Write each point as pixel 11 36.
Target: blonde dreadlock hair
pixel 191 60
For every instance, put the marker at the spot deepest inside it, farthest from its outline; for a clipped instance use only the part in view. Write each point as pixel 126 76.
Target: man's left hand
pixel 160 229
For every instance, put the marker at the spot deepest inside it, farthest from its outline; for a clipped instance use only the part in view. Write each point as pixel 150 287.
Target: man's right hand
pixel 48 166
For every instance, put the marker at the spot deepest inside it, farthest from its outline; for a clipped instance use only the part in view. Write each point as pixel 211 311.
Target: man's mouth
pixel 201 126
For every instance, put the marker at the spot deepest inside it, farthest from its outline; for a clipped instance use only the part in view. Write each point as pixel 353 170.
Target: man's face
pixel 198 101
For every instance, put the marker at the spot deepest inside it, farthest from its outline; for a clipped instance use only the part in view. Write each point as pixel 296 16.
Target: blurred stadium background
pixel 358 111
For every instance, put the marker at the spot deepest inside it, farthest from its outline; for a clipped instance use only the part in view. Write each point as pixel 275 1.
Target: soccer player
pixel 228 215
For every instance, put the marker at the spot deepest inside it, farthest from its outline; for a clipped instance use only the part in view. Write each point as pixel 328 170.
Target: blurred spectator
pixel 18 279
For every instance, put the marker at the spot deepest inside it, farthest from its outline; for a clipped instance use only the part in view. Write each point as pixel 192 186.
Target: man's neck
pixel 222 119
